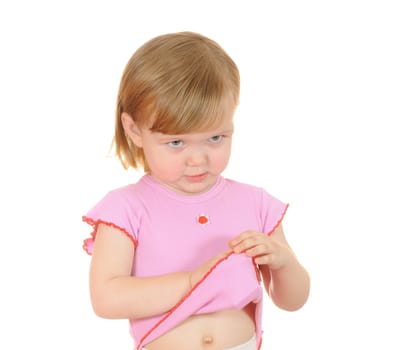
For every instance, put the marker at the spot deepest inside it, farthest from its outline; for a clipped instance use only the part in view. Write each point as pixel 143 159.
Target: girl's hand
pixel 264 249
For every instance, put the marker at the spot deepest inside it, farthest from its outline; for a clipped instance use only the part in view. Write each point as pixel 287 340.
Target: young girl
pixel 183 252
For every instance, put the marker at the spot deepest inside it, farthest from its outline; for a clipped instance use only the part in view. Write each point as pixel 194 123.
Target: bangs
pixel 195 115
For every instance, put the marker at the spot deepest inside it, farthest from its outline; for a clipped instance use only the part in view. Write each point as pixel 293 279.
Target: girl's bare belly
pixel 216 331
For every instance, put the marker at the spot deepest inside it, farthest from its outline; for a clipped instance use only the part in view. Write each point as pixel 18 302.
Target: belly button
pixel 207 340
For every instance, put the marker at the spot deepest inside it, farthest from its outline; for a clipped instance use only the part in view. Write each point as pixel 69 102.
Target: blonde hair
pixel 175 83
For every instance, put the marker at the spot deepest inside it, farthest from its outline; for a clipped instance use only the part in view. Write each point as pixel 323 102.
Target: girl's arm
pixel 287 282
pixel 115 294
pixel 285 279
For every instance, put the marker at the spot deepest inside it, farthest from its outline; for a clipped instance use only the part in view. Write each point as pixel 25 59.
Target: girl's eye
pixel 216 139
pixel 175 143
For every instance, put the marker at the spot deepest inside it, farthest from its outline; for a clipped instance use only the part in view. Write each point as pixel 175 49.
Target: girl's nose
pixel 197 157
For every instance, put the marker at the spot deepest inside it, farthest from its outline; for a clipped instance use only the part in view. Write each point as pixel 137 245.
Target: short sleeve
pixel 272 212
pixel 113 210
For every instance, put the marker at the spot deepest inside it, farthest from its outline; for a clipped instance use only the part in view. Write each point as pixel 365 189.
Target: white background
pixel 315 127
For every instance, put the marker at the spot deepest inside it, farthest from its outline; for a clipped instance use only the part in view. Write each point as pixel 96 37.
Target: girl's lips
pixel 196 178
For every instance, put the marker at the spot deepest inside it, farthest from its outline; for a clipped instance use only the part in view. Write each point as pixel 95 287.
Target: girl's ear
pixel 131 129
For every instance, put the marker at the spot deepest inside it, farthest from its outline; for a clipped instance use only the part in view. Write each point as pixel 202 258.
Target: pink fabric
pixel 232 283
pixel 182 232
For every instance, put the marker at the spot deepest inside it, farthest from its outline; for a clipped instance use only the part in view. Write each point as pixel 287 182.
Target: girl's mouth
pixel 197 178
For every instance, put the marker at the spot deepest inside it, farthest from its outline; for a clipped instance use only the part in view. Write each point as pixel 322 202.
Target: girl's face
pixel 187 163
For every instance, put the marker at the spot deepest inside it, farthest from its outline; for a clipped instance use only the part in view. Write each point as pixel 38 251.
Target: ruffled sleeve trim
pixel 88 243
pixel 279 221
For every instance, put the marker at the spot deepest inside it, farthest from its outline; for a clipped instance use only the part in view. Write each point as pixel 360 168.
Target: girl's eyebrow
pixel 219 131
pixel 184 135
pixel 228 131
pixel 222 132
pixel 170 136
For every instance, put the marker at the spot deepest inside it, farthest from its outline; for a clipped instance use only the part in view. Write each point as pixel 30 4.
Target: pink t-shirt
pixel 174 232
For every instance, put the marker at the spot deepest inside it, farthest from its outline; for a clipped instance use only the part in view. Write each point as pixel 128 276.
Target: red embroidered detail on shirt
pixel 203 219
